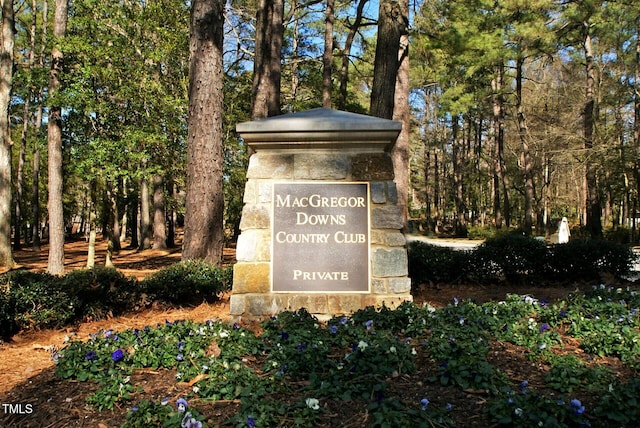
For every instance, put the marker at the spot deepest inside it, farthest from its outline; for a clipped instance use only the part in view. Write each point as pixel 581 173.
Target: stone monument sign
pixel 320 227
pixel 320 237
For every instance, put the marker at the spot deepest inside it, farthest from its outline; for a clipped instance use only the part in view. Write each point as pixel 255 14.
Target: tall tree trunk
pixel 498 143
pixel 91 202
pixel 125 211
pixel 204 204
pixel 55 264
pixel 636 124
pixel 295 42
pixel 91 251
pixel 327 56
pixel 593 203
pixel 35 201
pixel 6 78
pixel 17 228
pixel 267 60
pixel 133 219
pixel 145 216
pixel 391 26
pixel 458 186
pixel 159 214
pixel 113 205
pixel 526 155
pixel 171 214
pixel 341 102
pixel 35 185
pixel 401 112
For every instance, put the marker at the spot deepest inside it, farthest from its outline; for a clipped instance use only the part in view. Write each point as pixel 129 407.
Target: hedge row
pixel 519 259
pixel 30 300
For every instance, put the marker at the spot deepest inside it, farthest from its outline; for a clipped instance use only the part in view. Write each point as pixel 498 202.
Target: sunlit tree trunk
pixel 341 103
pixel 159 214
pixel 35 185
pixel 402 113
pixel 391 25
pixel 526 155
pixel 593 203
pixel 498 143
pixel 267 60
pixel 327 56
pixel 204 204
pixel 6 77
pixel 145 216
pixel 54 139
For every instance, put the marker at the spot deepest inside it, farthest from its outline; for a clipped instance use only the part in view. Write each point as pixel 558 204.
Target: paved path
pixel 456 244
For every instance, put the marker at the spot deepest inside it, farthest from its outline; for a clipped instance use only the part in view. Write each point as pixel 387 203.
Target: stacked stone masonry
pixel 390 284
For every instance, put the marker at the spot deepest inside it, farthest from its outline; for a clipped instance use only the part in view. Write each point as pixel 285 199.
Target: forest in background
pixel 519 112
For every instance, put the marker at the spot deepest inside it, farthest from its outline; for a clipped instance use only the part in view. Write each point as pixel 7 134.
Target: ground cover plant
pixel 379 367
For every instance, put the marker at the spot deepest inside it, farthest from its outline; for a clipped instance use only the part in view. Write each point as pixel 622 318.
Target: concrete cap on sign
pixel 320 128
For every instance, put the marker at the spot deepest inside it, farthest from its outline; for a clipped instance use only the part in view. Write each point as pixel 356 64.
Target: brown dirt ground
pixel 27 368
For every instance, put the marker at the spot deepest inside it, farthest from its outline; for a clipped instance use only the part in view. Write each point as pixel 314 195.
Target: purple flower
pixel 333 329
pixel 179 357
pixel 284 335
pixel 91 355
pixel 180 346
pixel 344 321
pixel 577 406
pixel 301 347
pixel 544 327
pixel 182 405
pixel 523 386
pixel 117 355
pixel 251 422
pixel 236 326
pixel 425 403
pixel 369 324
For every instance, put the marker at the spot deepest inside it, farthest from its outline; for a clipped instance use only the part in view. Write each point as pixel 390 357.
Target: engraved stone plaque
pixel 320 237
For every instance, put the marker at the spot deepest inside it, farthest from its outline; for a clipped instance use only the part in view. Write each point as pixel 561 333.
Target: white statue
pixel 563 231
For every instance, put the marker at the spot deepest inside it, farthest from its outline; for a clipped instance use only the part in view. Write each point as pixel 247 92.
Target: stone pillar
pixel 331 148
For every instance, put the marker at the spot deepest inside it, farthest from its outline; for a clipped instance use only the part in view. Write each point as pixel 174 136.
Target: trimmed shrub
pixel 515 258
pixel 587 259
pixel 8 326
pixel 512 257
pixel 100 292
pixel 437 264
pixel 188 282
pixel 35 300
